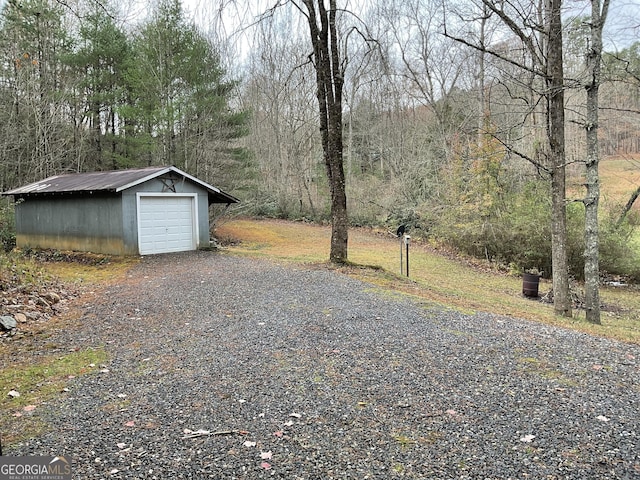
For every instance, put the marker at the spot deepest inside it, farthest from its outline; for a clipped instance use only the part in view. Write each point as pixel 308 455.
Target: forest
pixel 444 109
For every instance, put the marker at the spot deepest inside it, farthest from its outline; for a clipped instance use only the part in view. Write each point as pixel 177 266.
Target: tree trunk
pixel 632 199
pixel 329 78
pixel 556 136
pixel 592 197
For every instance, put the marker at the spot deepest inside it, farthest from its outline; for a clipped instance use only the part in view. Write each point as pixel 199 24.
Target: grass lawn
pixel 434 276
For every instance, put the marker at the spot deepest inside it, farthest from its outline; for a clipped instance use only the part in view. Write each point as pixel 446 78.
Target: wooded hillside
pixel 437 135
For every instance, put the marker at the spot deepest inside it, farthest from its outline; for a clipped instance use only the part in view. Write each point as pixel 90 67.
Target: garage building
pixel 121 212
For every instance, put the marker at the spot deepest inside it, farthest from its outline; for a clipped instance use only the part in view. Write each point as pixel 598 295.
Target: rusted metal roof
pixel 111 181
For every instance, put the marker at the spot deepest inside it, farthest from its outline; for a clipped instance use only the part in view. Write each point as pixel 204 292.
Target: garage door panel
pixel 166 224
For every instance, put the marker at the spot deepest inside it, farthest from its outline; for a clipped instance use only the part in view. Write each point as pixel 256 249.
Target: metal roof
pixel 111 181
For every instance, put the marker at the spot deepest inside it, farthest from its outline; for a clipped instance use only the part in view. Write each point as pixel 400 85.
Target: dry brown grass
pixel 434 276
pixel 619 178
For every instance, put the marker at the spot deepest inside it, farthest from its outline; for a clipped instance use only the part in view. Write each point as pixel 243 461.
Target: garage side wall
pixel 83 223
pixel 165 185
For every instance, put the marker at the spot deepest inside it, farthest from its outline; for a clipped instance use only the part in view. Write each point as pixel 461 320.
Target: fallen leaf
pixel 527 438
pixel 266 455
pixel 451 412
pixel 279 433
pixel 265 465
pixel 130 423
pixel 17 414
pixel 29 408
pixel 597 367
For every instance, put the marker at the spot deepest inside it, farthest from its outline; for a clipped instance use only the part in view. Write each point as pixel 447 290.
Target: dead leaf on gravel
pixel 266 455
pixel 29 408
pixel 279 433
pixel 130 423
pixel 265 465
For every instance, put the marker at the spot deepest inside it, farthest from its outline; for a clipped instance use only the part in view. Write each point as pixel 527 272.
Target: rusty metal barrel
pixel 530 284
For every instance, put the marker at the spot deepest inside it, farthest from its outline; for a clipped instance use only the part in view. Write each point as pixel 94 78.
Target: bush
pixel 519 234
pixel 7 226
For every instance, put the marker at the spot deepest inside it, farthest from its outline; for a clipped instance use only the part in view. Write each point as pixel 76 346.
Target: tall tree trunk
pixel 556 136
pixel 329 80
pixel 592 197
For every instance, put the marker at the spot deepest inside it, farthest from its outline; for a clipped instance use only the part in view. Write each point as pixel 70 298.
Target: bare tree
pixel 538 28
pixel 592 85
pixel 280 92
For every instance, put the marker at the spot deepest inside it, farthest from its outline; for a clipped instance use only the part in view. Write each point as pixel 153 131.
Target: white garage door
pixel 166 224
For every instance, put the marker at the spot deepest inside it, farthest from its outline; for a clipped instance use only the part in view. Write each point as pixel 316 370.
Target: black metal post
pixel 407 240
pixel 401 263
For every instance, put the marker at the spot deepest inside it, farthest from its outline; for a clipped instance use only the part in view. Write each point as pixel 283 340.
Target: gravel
pixel 234 368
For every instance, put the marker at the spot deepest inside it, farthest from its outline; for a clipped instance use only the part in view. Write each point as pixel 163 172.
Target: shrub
pixel 7 226
pixel 519 234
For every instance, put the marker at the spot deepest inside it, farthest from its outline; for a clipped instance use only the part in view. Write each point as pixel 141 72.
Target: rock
pixel 20 317
pixel 52 297
pixel 42 302
pixel 7 322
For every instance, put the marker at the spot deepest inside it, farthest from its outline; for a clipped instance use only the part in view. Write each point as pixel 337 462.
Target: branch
pixel 494 54
pixel 627 207
pixel 539 166
pixel 508 21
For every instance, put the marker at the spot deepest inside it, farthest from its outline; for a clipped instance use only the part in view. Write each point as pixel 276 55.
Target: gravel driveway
pixel 233 368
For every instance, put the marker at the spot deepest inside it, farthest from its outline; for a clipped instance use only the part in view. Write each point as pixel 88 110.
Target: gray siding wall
pixel 92 223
